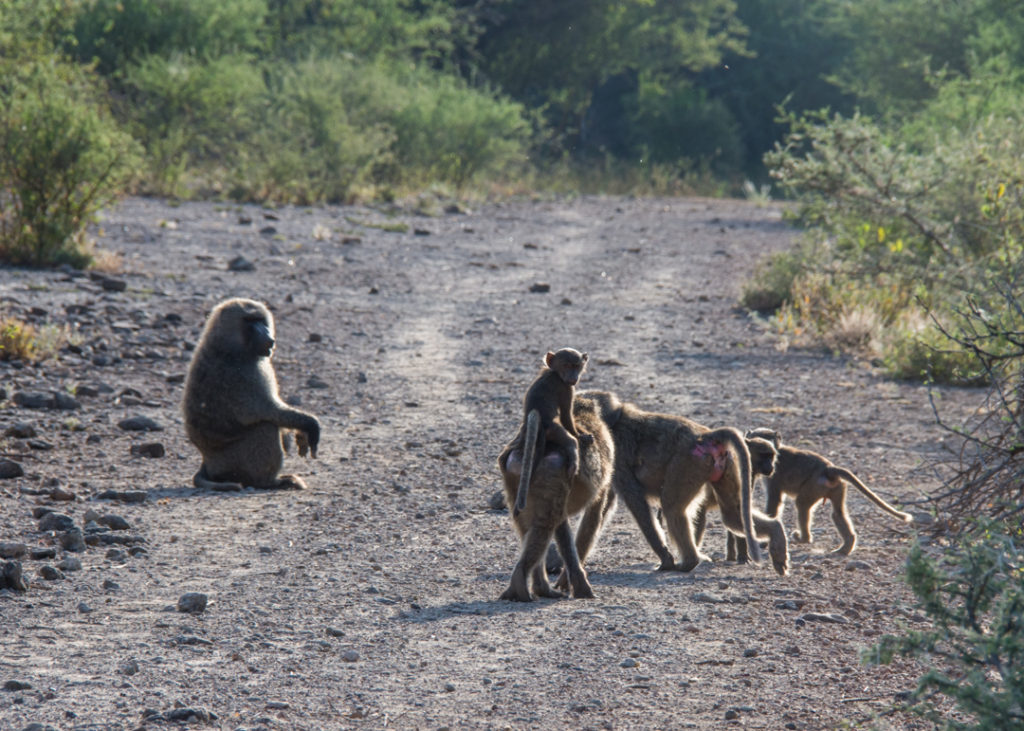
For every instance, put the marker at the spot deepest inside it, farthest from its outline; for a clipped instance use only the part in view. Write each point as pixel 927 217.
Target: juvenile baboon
pixel 679 465
pixel 233 413
pixel 553 498
pixel 547 416
pixel 809 478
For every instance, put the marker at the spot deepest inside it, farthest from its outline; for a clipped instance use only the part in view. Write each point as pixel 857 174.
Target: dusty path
pixel 370 600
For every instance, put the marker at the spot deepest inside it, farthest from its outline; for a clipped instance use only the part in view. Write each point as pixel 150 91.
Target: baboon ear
pixel 548 358
pixel 586 357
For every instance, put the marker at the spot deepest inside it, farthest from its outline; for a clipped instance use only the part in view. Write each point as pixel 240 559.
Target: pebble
pixel 9 469
pixel 110 284
pixel 33 400
pixel 750 652
pixel 350 656
pixel 709 598
pixel 316 382
pixel 12 550
pixel 241 264
pixel 72 540
pixel 110 585
pixel 62 494
pixel 858 566
pixel 449 687
pixel 129 667
pixel 139 423
pixel 84 608
pixel 540 287
pixel 116 554
pixel 731 714
pixel 51 573
pixel 192 602
pixel 55 521
pixel 153 450
pixel 21 430
pixel 334 632
pixel 41 554
pixel 114 522
pixel 793 604
pixel 824 617
pixel 629 662
pixel 125 496
pixel 70 563
pixel 16 685
pixel 11 576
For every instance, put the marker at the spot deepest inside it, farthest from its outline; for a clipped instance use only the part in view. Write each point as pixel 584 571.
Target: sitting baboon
pixel 809 478
pixel 679 465
pixel 547 416
pixel 553 497
pixel 233 412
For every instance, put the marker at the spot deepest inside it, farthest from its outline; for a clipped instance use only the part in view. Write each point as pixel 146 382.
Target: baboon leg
pixel 841 519
pixel 632 494
pixel 700 523
pixel 736 547
pixel 593 520
pixel 559 436
pixel 775 532
pixel 774 499
pixel 804 516
pixel 535 542
pixel 572 570
pixel 681 529
pixel 541 585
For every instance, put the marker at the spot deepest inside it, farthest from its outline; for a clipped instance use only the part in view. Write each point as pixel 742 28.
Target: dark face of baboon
pixel 242 328
pixel 568 363
pixel 762 455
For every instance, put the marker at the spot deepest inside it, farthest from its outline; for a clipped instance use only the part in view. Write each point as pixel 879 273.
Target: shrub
pixel 22 341
pixel 773 286
pixel 974 595
pixel 61 160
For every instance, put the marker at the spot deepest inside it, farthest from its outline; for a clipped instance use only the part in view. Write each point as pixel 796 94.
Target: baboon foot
pixel 688 565
pixel 548 593
pixel 512 595
pixel 289 482
pixel 780 557
pixel 583 590
pixel 798 538
pixel 667 564
pixel 846 549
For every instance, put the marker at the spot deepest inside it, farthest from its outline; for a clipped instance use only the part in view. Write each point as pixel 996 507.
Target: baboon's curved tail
pixel 834 472
pixel 531 448
pixel 739 444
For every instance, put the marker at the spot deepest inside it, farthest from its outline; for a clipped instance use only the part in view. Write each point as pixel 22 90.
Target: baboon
pixel 679 465
pixel 809 478
pixel 553 498
pixel 547 416
pixel 232 409
pixel 762 461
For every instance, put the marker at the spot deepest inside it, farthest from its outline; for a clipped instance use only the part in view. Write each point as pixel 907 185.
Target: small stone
pixel 350 656
pixel 9 469
pixel 21 430
pixel 449 687
pixel 316 382
pixel 138 551
pixel 33 400
pixel 334 632
pixel 241 264
pixel 50 573
pixel 110 284
pixel 65 402
pixel 497 500
pixel 540 287
pixel 824 617
pixel 41 554
pixel 731 714
pixel 278 706
pixel 56 521
pixel 750 652
pixel 129 667
pixel 858 566
pixel 10 549
pixel 192 602
pixel 84 608
pixel 110 585
pixel 62 494
pixel 70 563
pixel 629 662
pixel 114 522
pixel 72 540
pixel 709 598
pixel 16 685
pixel 116 554
pixel 152 450
pixel 139 423
pixel 11 576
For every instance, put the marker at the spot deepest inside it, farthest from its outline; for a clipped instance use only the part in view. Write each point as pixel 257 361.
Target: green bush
pixel 974 595
pixel 61 160
pixel 773 286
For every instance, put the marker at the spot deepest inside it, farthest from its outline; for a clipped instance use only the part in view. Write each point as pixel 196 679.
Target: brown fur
pixel 552 499
pixel 665 461
pixel 547 416
pixel 809 479
pixel 232 409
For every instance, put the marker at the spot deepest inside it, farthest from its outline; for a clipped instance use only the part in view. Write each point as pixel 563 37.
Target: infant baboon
pixel 680 465
pixel 809 478
pixel 547 416
pixel 554 496
pixel 233 413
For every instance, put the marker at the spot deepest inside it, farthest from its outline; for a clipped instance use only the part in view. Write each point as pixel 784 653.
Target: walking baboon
pixel 547 416
pixel 762 461
pixel 232 409
pixel 661 461
pixel 554 496
pixel 809 478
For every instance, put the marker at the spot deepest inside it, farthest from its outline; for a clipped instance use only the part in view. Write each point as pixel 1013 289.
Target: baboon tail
pixel 733 436
pixel 529 459
pixel 834 472
pixel 202 481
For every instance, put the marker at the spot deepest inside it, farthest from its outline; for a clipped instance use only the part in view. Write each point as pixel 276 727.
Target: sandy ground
pixel 370 600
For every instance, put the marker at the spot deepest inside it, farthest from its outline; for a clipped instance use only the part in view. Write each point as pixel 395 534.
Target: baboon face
pixel 762 455
pixel 568 363
pixel 245 326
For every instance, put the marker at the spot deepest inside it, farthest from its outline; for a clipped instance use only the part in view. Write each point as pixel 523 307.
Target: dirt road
pixel 370 599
